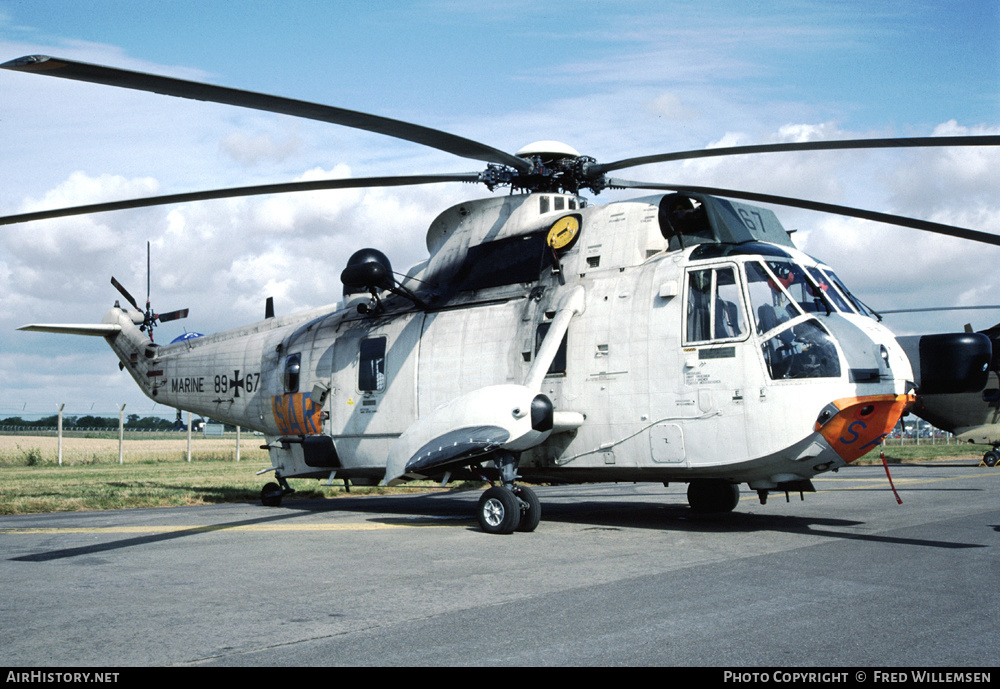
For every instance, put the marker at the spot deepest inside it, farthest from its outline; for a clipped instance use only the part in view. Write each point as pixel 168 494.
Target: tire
pixel 499 511
pixel 713 496
pixel 991 457
pixel 532 515
pixel 271 494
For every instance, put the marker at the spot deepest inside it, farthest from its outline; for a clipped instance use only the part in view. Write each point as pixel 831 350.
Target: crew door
pixel 374 386
pixel 714 364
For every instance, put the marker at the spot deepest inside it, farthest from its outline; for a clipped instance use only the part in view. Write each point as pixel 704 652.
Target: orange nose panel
pixel 860 423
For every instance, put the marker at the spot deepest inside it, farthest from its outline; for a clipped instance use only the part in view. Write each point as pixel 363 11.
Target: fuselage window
pixel 714 306
pixel 371 367
pixel 290 376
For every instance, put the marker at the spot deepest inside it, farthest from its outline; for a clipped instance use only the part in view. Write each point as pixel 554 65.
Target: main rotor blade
pixel 846 144
pixel 890 219
pixel 315 185
pixel 112 76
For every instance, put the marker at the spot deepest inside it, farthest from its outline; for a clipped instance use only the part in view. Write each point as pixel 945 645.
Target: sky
pixel 612 79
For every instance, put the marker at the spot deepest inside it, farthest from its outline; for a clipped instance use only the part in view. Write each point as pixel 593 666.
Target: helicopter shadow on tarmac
pixel 590 511
pixel 605 513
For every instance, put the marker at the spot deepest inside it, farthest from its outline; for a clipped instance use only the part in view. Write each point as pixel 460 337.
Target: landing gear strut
pixel 506 508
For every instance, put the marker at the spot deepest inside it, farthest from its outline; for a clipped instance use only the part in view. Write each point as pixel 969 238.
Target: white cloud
pixel 260 148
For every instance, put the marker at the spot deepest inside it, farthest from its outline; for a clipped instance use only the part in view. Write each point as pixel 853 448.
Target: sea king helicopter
pixel 675 337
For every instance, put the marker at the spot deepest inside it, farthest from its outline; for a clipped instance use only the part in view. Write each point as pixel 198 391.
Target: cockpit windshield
pixel 855 302
pixel 831 292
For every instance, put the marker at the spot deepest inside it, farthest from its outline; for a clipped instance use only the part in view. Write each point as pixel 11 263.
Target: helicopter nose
pixel 853 426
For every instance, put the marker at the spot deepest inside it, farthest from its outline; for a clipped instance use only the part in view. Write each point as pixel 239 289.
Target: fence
pixel 33 445
pixel 112 433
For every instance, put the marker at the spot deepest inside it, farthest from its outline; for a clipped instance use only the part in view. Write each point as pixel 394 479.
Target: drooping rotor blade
pixel 847 144
pixel 902 221
pixel 172 316
pixel 112 76
pixel 313 185
pixel 125 293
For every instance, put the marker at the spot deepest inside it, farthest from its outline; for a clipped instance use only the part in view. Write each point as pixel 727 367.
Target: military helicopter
pixel 674 337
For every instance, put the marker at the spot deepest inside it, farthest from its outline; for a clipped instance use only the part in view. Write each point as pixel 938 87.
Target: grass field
pixel 155 473
pixel 27 450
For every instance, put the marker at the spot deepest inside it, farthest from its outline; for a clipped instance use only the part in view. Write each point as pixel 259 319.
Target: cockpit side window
pixel 770 305
pixel 714 306
pixel 805 350
pixel 793 278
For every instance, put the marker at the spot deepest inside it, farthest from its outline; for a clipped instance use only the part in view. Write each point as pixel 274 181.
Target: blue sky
pixel 611 79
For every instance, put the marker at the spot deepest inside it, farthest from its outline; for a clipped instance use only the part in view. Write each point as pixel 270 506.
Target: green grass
pixel 50 488
pixel 898 454
pixel 34 489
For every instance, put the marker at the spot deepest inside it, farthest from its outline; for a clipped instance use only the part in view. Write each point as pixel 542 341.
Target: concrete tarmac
pixel 614 575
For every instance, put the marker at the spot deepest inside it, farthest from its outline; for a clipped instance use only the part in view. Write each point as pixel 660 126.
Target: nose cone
pixel 855 425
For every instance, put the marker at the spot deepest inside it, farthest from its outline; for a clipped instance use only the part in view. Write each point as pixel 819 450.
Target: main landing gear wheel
pixel 531 509
pixel 991 458
pixel 713 496
pixel 271 494
pixel 499 511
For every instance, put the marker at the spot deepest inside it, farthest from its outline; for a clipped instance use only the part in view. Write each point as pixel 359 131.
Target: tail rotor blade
pixel 124 292
pixel 172 316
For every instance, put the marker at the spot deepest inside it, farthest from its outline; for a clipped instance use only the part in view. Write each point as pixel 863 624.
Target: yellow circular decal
pixel 563 232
